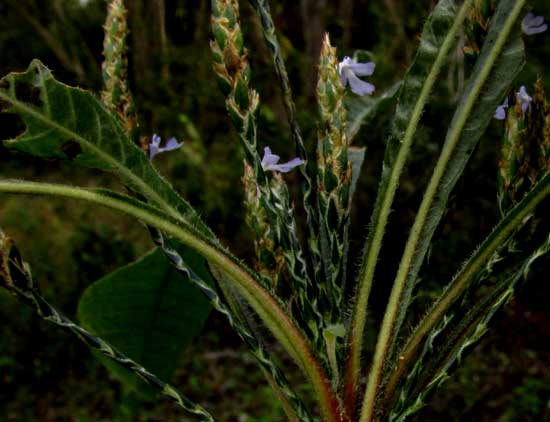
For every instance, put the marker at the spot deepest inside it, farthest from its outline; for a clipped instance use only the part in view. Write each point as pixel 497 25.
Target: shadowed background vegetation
pixel 48 376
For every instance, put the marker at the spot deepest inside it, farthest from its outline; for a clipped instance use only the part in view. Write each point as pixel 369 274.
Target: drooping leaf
pixel 267 307
pixel 66 122
pixel 15 276
pixel 148 311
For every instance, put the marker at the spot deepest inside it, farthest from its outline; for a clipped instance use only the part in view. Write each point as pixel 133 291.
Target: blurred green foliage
pixel 45 375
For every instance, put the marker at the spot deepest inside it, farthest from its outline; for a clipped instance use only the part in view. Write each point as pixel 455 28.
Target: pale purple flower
pixel 269 162
pixel 155 148
pixel 349 71
pixel 524 99
pixel 500 113
pixel 531 24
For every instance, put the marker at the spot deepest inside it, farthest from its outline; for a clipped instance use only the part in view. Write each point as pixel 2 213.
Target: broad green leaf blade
pixel 66 122
pixel 148 311
pixel 438 37
pixel 15 276
pixel 363 110
pixel 500 61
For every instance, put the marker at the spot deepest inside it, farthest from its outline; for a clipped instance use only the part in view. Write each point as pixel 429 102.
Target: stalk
pixel 465 277
pixel 383 205
pixel 273 316
pixel 399 299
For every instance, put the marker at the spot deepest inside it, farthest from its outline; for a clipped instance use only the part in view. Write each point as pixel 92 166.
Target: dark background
pixel 46 375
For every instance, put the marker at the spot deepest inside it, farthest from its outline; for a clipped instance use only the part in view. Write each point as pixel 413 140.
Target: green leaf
pixel 501 59
pixel 363 110
pixel 66 122
pixel 268 308
pixel 268 28
pixel 239 321
pixel 147 310
pixel 356 156
pixel 458 334
pixel 496 68
pixel 463 284
pixel 15 276
pixel 438 37
pixel 56 130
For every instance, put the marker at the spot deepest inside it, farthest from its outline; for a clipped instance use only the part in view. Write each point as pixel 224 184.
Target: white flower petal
pixel 537 21
pixel 349 71
pixel 286 167
pixel 155 148
pixel 342 70
pixel 362 69
pixel 523 95
pixel 360 87
pixel 524 107
pixel 269 159
pixel 528 18
pixel 524 99
pixel 500 113
pixel 269 162
pixel 172 144
pixel 155 140
pixel 343 78
pixel 531 24
pixel 536 30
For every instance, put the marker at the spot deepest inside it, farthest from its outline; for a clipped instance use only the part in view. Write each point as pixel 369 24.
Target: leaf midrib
pixel 144 187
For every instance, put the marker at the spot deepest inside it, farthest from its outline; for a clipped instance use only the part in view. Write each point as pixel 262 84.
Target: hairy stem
pixel 383 206
pixel 398 302
pixel 465 277
pixel 273 316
